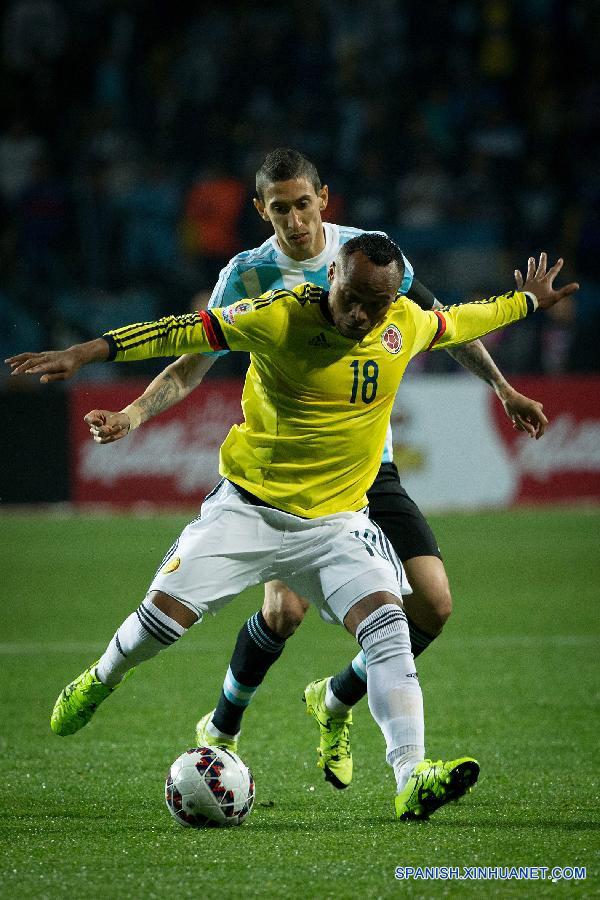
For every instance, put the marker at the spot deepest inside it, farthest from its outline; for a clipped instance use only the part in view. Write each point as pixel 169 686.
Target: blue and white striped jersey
pixel 266 268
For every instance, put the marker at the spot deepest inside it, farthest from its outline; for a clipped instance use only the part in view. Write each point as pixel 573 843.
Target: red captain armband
pixel 213 330
pixel 440 329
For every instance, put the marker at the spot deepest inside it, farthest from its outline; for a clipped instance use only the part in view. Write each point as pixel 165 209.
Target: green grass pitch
pixel 513 681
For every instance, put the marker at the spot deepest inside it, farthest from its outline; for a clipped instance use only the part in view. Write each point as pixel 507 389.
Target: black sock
pixel 419 640
pixel 349 687
pixel 256 649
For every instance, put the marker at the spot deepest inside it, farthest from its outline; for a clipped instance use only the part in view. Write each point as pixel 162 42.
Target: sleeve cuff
pixel 112 347
pixel 532 303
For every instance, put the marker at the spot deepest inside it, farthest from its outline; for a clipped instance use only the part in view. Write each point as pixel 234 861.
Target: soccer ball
pixel 209 786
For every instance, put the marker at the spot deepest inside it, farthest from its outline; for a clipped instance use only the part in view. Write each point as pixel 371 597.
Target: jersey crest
pixel 392 339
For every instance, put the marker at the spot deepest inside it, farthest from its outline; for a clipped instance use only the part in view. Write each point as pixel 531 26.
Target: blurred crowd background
pixel 131 132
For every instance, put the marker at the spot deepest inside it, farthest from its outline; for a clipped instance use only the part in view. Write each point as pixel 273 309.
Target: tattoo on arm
pixel 475 358
pixel 173 384
pixel 164 395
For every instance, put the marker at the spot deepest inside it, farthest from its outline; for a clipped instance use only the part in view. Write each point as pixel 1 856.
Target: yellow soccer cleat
pixel 78 701
pixel 432 784
pixel 335 757
pixel 204 739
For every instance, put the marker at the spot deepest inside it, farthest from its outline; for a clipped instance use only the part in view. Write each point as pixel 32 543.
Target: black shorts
pixel 399 517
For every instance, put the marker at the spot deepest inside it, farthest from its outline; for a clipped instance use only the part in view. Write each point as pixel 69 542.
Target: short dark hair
pixel 282 165
pixel 377 247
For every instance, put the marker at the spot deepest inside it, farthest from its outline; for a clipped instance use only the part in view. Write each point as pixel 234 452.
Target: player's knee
pixel 430 604
pixel 384 635
pixel 285 620
pixel 436 596
pixel 369 606
pixel 443 604
pixel 283 610
pixel 171 607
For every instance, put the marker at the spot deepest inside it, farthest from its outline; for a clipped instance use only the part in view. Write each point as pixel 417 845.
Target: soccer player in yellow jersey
pixel 291 197
pixel 291 504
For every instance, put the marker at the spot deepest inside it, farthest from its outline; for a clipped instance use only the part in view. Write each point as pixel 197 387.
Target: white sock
pixel 214 731
pixel 393 689
pixel 141 636
pixel 403 761
pixel 332 704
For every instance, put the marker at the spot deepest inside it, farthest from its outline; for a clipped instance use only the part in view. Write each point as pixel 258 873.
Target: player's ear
pixel 331 271
pixel 260 208
pixel 323 197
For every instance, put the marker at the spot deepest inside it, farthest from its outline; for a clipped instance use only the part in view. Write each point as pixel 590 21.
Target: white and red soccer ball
pixel 208 787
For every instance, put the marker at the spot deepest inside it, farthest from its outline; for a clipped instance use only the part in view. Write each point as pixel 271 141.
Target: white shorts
pixel 333 561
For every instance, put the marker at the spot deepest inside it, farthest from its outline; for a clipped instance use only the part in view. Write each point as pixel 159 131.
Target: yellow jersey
pixel 316 404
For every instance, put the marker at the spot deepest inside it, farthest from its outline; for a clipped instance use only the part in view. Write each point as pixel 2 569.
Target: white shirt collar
pixel 329 252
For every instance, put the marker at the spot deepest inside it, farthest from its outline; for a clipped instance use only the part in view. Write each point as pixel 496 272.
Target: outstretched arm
pixel 170 387
pixel 169 336
pixel 459 324
pixel 59 365
pixel 526 415
pixel 255 324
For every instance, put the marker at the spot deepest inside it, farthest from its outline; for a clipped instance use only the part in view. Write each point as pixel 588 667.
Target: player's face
pixel 361 294
pixel 294 210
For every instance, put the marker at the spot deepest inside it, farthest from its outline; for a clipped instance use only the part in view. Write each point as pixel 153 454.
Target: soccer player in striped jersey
pixel 291 197
pixel 295 475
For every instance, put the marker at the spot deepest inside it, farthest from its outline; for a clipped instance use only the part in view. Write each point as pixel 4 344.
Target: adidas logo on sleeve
pixel 319 341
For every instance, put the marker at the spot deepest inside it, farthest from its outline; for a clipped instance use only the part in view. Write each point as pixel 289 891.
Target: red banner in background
pixel 443 424
pixel 565 463
pixel 171 460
